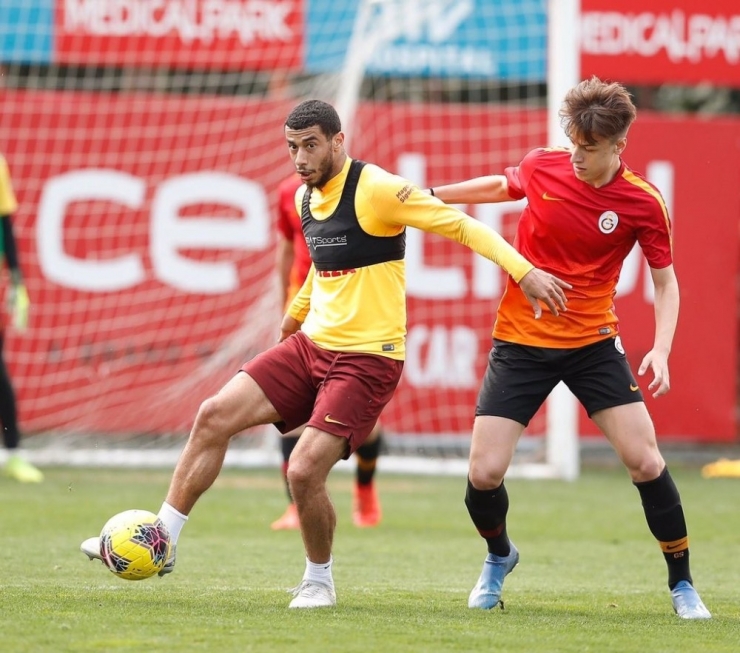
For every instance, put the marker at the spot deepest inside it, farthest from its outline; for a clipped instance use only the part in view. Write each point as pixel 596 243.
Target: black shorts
pixel 519 378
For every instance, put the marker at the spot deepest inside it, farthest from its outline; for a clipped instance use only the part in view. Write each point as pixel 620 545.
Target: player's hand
pixel 540 286
pixel 658 362
pixel 18 305
pixel 288 327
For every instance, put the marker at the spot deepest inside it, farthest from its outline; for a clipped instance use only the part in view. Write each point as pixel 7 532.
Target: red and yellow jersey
pixel 289 226
pixel 581 234
pixel 8 203
pixel 363 309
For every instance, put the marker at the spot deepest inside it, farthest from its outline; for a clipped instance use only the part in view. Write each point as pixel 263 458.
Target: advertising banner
pixel 499 39
pixel 661 41
pixel 224 34
pixel 147 240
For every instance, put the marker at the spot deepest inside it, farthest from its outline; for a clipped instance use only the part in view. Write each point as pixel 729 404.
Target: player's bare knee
pixel 484 476
pixel 209 421
pixel 647 468
pixel 301 477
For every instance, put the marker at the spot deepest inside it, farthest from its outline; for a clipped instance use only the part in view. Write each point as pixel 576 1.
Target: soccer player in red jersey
pixel 293 264
pixel 586 210
pixel 343 336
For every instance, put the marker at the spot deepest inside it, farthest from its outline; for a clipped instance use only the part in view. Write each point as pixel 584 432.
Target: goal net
pixel 145 145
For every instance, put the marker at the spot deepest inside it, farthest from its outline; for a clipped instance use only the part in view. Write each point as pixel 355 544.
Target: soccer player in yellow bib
pixel 16 466
pixel 342 339
pixel 293 264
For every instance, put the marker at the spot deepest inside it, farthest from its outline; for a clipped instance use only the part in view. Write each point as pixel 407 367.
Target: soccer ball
pixel 135 544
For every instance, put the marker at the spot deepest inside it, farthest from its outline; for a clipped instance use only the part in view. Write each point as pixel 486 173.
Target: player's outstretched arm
pixel 296 313
pixel 537 285
pixel 540 286
pixel 479 190
pixel 667 299
pixel 423 212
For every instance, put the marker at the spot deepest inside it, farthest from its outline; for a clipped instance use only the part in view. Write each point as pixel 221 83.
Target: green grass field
pixel 590 578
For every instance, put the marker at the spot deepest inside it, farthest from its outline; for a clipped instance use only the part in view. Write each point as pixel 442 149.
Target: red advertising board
pixel 224 34
pixel 661 41
pixel 147 240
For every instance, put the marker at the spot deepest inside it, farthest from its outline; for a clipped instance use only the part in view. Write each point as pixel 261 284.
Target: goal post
pixel 563 72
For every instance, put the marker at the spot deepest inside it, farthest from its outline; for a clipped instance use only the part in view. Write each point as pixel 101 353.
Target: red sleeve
pixel 518 177
pixel 286 207
pixel 655 238
pixel 653 227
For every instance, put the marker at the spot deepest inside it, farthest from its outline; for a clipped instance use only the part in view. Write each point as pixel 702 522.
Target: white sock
pixel 173 520
pixel 319 573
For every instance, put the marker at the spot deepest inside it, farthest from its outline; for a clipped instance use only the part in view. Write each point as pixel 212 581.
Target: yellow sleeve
pixel 395 201
pixel 298 308
pixel 8 203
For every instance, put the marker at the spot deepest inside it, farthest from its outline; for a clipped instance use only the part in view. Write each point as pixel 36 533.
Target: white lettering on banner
pixel 426 28
pixel 450 58
pixel 450 359
pixel 685 38
pixel 169 232
pixel 435 20
pixel 429 281
pixel 85 185
pixel 191 20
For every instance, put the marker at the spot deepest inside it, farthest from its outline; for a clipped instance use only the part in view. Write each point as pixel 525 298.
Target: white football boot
pixel 310 594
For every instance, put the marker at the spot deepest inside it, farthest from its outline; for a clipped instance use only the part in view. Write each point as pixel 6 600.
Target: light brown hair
pixel 595 109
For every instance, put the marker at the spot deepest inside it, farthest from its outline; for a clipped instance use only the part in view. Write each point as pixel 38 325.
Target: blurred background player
pixel 15 466
pixel 293 264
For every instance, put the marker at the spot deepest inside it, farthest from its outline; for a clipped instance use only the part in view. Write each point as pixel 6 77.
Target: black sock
pixel 662 505
pixel 367 458
pixel 8 415
pixel 487 509
pixel 287 444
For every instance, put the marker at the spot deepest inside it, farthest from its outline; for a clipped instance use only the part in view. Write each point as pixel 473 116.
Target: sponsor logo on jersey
pixel 404 193
pixel 319 241
pixel 335 273
pixel 608 222
pixel 550 198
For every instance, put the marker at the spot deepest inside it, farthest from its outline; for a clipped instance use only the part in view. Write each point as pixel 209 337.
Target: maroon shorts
pixel 342 393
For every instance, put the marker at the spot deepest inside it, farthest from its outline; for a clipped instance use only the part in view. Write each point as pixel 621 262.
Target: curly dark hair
pixel 315 112
pixel 595 109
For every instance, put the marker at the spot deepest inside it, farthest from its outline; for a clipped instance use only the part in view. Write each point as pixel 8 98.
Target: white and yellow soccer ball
pixel 135 544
